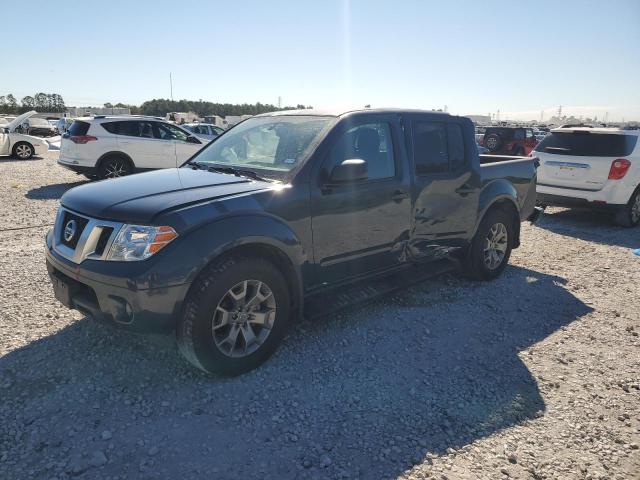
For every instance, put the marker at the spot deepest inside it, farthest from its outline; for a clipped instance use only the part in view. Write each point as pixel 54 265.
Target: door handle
pixel 399 195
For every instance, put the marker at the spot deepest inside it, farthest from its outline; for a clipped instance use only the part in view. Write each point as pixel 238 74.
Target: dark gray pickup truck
pixel 285 213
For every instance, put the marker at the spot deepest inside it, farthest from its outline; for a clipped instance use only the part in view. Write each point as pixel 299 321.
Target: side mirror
pixel 192 139
pixel 350 171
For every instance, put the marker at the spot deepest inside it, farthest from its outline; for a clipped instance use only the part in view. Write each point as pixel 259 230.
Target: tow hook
pixel 535 215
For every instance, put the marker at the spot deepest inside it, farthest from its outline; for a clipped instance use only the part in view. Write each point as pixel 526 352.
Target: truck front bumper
pixel 151 310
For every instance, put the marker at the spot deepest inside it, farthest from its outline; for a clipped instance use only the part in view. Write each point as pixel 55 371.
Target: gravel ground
pixel 535 375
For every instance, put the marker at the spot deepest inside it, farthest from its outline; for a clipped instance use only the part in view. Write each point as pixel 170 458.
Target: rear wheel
pixel 23 151
pixel 114 167
pixel 629 216
pixel 235 316
pixel 490 249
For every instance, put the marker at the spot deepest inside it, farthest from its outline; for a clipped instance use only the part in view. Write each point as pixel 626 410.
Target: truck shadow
pixel 363 394
pixel 591 226
pixel 53 191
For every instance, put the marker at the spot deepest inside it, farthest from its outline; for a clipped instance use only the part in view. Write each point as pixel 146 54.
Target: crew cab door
pixel 446 186
pixel 358 227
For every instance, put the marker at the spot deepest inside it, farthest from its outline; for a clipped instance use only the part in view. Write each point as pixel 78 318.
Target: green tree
pixel 28 102
pixel 12 104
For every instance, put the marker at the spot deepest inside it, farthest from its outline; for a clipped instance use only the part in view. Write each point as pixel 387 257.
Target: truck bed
pixel 519 171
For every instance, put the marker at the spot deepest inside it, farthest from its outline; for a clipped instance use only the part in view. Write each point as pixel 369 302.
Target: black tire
pixel 114 166
pixel 493 142
pixel 629 215
pixel 195 332
pixel 23 151
pixel 475 263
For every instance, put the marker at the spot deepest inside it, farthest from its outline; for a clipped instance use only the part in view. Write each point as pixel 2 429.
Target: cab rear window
pixel 78 128
pixel 588 144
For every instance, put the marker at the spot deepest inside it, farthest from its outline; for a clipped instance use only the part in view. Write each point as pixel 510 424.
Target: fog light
pixel 122 310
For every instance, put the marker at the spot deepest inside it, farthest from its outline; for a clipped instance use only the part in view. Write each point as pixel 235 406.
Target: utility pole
pixel 279 102
pixel 171 85
pixel 559 111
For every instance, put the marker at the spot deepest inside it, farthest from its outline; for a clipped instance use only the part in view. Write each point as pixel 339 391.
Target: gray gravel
pixel 536 375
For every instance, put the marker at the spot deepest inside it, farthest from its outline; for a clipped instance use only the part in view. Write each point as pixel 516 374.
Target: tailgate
pixel 588 173
pixel 68 149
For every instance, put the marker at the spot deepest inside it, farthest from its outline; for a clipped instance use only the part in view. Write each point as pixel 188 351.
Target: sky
pixel 474 57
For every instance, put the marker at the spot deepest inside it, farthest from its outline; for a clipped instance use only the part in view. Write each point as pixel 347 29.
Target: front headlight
pixel 137 242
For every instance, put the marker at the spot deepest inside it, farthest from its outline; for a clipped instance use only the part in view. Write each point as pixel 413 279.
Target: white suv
pixel 591 167
pixel 108 147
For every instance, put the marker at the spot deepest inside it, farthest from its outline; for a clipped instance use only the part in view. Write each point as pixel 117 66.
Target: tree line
pixel 43 102
pixel 52 102
pixel 161 106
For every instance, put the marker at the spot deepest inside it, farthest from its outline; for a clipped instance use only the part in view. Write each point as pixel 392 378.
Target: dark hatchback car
pixel 280 214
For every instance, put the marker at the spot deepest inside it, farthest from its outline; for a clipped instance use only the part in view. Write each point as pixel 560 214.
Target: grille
pixel 80 223
pixel 103 240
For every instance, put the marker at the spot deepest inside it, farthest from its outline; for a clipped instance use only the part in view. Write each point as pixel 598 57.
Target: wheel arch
pixel 114 153
pixel 500 194
pixel 258 236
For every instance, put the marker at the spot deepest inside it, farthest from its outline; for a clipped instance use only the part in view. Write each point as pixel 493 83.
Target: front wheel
pixel 23 151
pixel 491 246
pixel 235 316
pixel 629 215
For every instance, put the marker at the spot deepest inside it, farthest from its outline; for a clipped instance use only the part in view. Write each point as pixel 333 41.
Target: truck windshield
pixel 278 143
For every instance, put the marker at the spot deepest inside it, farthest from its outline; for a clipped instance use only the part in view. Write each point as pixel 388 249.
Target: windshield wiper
pixel 197 165
pixel 238 172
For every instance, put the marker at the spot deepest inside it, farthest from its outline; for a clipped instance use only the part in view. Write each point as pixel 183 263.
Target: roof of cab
pixel 339 112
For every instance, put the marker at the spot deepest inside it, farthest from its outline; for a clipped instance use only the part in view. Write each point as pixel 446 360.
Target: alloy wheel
pixel 23 151
pixel 244 318
pixel 115 169
pixel 495 246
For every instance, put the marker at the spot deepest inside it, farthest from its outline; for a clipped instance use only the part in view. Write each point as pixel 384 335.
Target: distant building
pixel 90 111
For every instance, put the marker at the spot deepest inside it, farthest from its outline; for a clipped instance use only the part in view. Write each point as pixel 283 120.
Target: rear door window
pixel 588 144
pixel 430 149
pixel 457 157
pixel 126 128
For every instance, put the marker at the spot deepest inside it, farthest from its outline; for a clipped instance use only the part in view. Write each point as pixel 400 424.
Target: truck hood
pixel 139 198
